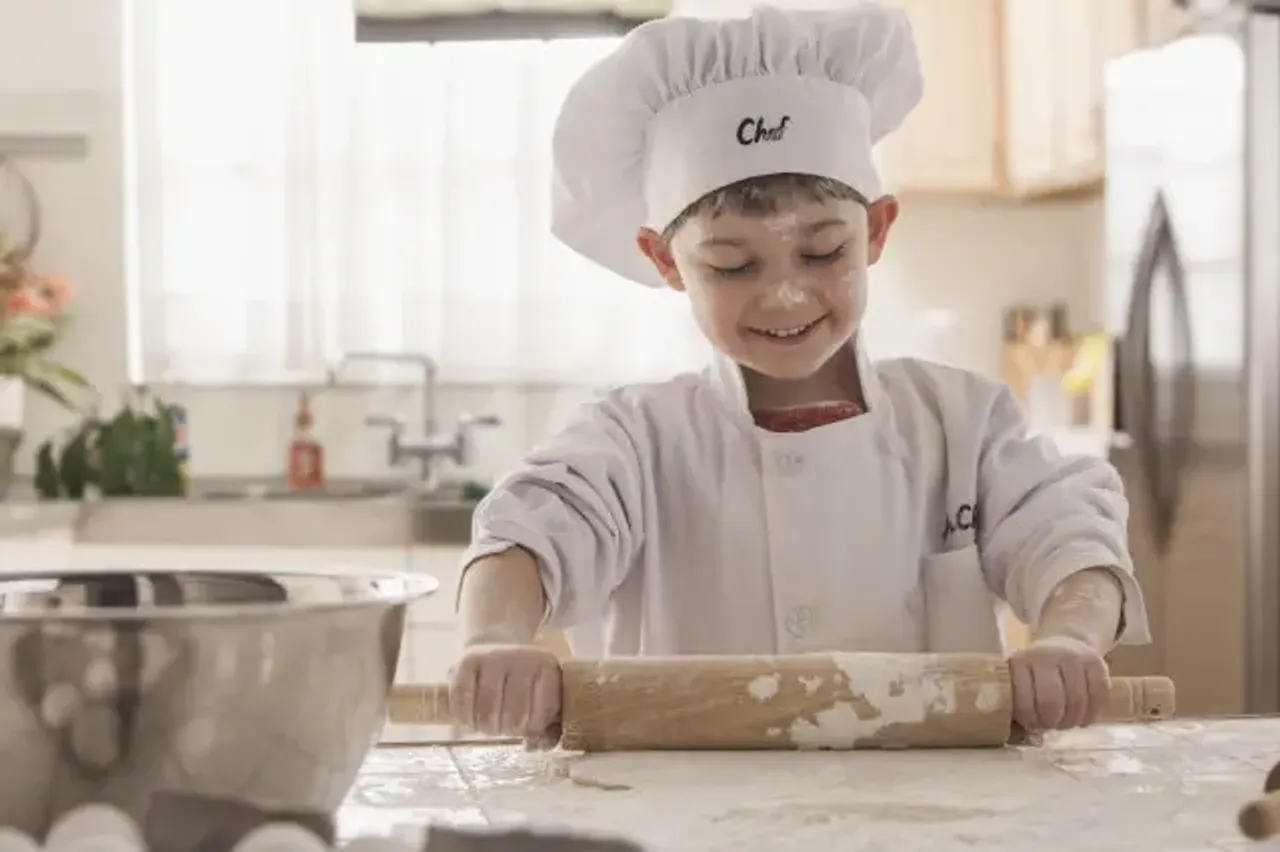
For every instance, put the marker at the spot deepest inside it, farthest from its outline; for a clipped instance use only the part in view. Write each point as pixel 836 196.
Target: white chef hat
pixel 686 106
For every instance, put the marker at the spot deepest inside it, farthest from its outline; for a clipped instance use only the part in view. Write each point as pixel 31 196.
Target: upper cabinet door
pixel 949 143
pixel 1054 57
pixel 1013 94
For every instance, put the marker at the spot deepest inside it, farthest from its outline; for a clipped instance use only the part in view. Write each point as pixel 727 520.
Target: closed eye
pixel 822 259
pixel 733 271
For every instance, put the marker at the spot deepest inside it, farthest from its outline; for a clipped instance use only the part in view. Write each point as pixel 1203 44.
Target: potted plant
pixel 33 311
pixel 133 454
pixel 32 314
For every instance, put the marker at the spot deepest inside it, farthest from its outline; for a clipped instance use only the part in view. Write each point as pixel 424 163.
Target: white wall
pixel 948 262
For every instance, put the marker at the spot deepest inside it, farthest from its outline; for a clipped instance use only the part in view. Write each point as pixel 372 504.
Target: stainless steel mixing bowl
pixel 128 688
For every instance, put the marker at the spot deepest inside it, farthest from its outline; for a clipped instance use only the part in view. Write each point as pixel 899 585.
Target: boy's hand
pixel 508 690
pixel 1058 683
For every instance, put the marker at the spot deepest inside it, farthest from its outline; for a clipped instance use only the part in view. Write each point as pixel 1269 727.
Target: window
pixel 295 195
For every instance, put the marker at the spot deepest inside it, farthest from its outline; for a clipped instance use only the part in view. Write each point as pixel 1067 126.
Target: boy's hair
pixel 762 196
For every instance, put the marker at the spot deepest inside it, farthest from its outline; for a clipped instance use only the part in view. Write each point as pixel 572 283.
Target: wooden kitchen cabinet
pixel 1012 106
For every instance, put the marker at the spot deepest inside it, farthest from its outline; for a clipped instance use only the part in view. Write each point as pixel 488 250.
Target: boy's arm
pixel 500 600
pixel 1054 538
pixel 553 539
pixel 1087 606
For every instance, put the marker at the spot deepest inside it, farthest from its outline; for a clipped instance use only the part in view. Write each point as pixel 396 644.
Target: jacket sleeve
pixel 1045 516
pixel 576 504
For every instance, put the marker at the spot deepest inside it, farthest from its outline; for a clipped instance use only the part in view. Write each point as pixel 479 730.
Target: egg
pixel 370 844
pixel 12 840
pixel 95 828
pixel 281 837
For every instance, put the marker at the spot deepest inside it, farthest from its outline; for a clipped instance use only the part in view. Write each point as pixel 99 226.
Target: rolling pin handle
pixel 1260 819
pixel 426 704
pixel 1273 780
pixel 1140 699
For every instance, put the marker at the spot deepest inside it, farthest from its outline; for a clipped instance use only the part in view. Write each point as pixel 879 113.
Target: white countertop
pixel 1082 441
pixel 1169 787
pixel 76 555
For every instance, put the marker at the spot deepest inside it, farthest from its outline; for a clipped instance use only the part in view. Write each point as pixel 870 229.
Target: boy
pixel 793 497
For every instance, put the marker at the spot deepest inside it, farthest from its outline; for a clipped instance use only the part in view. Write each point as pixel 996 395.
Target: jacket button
pixel 801 620
pixel 787 463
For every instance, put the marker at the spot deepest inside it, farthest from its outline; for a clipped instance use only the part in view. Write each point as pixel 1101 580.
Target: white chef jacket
pixel 664 521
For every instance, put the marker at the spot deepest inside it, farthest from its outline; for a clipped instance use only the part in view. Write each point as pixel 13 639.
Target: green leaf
pixel 63 373
pixel 52 391
pixel 48 480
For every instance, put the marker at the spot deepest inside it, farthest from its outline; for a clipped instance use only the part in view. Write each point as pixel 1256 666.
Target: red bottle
pixel 306 455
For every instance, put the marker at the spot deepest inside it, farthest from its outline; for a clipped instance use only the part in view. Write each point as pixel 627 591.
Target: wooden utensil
pixel 1260 819
pixel 832 701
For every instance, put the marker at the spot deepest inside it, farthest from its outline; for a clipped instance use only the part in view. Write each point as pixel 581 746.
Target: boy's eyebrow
pixel 809 230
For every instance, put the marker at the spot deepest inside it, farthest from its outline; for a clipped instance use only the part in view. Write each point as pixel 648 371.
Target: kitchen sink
pixel 442 517
pixel 443 522
pixel 345 514
pixel 344 491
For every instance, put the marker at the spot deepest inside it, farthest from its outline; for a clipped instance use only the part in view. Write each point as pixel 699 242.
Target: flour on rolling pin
pixel 882 692
pixel 765 687
pixel 809 701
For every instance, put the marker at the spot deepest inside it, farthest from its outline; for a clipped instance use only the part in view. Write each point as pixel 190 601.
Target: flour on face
pixel 787 294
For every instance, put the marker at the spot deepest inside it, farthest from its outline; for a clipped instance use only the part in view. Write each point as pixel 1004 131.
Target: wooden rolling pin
pixel 1260 819
pixel 828 701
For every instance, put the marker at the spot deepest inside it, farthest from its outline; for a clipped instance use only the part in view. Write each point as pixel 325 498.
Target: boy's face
pixel 778 293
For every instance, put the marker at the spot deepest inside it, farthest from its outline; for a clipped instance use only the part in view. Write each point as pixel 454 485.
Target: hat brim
pixel 607 234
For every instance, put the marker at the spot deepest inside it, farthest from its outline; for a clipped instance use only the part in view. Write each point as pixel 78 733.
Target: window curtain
pixel 296 195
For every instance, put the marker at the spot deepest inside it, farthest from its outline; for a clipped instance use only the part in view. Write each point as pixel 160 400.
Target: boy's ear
pixel 880 218
pixel 656 249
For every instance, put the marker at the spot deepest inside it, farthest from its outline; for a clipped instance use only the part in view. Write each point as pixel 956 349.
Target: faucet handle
pixel 469 420
pixel 385 421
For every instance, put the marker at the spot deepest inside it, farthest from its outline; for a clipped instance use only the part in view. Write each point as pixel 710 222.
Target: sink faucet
pixel 431 445
pixel 457 447
pixel 429 370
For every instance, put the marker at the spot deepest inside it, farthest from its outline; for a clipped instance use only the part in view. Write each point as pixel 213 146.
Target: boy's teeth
pixel 786 332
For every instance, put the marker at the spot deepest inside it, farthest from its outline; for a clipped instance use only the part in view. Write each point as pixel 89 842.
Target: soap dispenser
pixel 306 455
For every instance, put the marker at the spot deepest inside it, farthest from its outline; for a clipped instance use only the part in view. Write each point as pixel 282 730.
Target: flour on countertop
pixel 926 801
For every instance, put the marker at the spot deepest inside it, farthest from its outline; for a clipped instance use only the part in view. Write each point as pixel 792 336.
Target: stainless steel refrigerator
pixel 1193 302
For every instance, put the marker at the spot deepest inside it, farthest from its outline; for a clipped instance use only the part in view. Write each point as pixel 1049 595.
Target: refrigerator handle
pixel 1177 451
pixel 1137 373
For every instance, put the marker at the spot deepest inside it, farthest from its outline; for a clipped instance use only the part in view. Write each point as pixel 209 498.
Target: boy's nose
pixel 786 294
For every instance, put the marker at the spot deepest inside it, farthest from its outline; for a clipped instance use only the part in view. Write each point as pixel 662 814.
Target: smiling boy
pixel 794 496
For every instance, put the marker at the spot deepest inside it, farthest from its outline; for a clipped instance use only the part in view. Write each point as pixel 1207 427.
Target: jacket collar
pixel 727 382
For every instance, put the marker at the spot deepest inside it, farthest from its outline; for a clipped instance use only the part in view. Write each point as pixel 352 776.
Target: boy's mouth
pixel 788 335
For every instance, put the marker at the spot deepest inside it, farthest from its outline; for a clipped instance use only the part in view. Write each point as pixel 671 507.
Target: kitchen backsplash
pixel 950 270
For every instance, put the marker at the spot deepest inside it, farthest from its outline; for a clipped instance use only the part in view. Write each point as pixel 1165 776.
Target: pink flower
pixel 28 303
